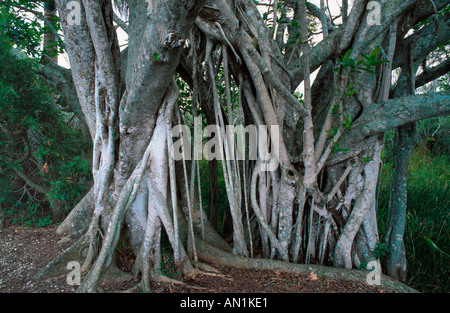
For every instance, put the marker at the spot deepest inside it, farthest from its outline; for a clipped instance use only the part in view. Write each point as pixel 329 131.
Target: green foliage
pixel 362 265
pixel 42 222
pixel 434 134
pixel 427 234
pixel 351 90
pixel 24 28
pixel 335 109
pixel 333 132
pixel 145 290
pixel 434 246
pixel 371 60
pixel 299 97
pixel 380 251
pixel 337 148
pixel 347 122
pixel 445 80
pixel 35 140
pixel 168 264
pixel 366 65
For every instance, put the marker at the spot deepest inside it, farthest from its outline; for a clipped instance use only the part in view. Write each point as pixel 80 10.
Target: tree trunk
pixel 405 140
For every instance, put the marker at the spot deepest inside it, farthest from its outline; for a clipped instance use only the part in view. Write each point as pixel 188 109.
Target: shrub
pixel 40 163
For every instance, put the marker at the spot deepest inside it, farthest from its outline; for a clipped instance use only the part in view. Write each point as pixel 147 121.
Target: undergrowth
pixel 427 234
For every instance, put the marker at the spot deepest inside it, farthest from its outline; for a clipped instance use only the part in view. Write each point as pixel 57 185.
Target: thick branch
pixel 422 10
pixel 30 182
pixel 377 118
pixel 433 73
pixel 425 41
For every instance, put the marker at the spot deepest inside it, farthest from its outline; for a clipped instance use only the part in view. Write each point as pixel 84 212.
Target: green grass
pixel 428 212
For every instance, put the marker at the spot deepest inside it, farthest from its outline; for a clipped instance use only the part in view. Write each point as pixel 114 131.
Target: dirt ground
pixel 23 251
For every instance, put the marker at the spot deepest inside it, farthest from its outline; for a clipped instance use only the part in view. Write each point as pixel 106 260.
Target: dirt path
pixel 23 251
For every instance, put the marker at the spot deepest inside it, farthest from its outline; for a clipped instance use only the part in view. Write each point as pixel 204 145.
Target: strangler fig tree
pixel 312 196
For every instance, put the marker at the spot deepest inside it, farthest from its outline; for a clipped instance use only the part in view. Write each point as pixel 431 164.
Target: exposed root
pixel 170 281
pixel 205 267
pixel 208 270
pixel 135 289
pixel 114 274
pixel 58 266
pixel 72 236
pixel 159 279
pixel 77 222
pixel 223 276
pixel 210 254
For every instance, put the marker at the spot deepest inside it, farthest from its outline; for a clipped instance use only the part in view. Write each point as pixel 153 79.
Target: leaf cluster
pixel 363 65
pixel 25 29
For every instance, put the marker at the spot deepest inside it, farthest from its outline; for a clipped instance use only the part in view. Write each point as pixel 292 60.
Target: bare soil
pixel 24 251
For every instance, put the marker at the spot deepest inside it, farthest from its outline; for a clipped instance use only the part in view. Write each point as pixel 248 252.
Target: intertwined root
pixel 213 255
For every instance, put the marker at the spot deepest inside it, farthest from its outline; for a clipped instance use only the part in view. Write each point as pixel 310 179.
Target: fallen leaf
pixel 45 168
pixel 312 276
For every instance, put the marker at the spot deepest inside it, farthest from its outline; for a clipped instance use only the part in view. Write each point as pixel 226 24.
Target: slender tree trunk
pixel 405 140
pixel 49 37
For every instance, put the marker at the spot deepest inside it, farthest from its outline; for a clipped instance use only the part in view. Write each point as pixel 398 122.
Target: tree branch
pixel 336 43
pixel 431 74
pixel 30 182
pixel 378 118
pixel 425 41
pixel 120 22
